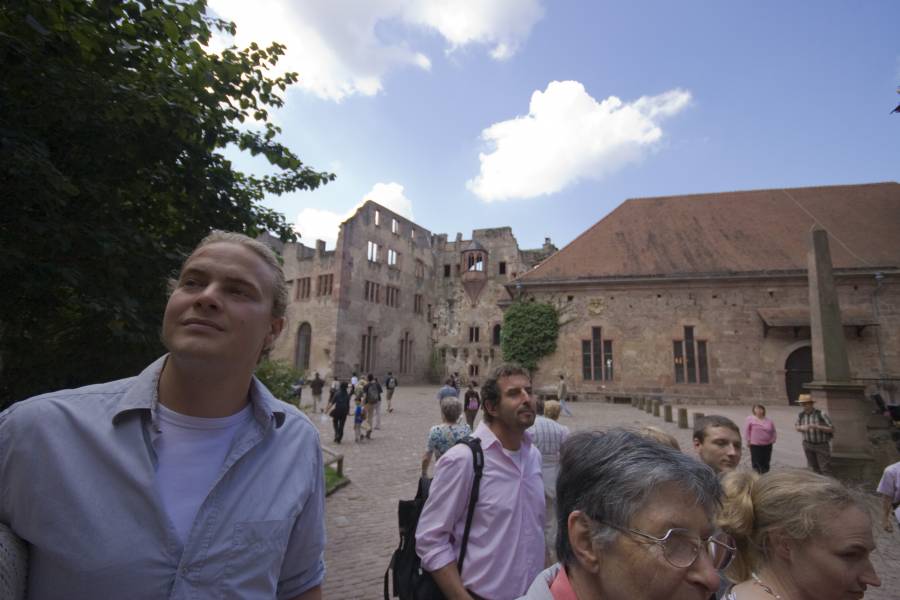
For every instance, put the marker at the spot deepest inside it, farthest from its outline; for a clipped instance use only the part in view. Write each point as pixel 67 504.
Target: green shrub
pixel 279 376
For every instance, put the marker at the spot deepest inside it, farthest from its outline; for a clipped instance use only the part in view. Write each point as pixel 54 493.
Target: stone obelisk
pixel 832 388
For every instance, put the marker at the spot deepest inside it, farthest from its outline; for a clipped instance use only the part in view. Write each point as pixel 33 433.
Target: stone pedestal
pixel 856 455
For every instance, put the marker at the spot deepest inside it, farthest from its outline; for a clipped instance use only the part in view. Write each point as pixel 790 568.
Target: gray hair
pixel 610 476
pixel 490 391
pixel 450 408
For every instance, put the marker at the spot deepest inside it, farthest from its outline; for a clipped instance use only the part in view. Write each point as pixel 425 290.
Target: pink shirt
pixel 506 541
pixel 759 432
pixel 561 588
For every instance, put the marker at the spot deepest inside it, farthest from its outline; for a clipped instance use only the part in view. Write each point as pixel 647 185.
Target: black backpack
pixel 373 394
pixel 410 581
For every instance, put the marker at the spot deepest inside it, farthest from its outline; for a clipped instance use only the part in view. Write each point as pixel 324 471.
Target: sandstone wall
pixel 745 365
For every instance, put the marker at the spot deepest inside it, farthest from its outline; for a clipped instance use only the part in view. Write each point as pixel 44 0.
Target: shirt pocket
pixel 255 558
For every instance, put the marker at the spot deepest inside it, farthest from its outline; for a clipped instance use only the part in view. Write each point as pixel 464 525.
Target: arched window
pixel 495 339
pixel 304 338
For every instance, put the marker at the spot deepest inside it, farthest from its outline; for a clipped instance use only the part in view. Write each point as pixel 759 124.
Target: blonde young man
pixel 188 480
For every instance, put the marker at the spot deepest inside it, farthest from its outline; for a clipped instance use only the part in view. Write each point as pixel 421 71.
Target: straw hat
pixel 805 399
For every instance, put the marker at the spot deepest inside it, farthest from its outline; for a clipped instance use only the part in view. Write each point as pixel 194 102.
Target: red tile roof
pixel 733 232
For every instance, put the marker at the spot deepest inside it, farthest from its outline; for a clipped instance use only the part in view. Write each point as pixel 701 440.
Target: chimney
pixel 320 247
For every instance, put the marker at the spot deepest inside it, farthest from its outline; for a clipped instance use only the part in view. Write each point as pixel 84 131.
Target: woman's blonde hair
pixel 658 435
pixel 795 502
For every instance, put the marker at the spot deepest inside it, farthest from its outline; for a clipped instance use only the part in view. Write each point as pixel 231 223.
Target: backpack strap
pixel 474 445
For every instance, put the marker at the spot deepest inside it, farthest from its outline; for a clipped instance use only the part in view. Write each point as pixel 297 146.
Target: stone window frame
pixel 690 358
pixel 372 251
pixel 324 284
pixel 372 292
pixel 597 357
pixel 474 334
pixel 302 288
pixel 393 257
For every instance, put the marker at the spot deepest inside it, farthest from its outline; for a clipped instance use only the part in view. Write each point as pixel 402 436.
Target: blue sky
pixel 545 116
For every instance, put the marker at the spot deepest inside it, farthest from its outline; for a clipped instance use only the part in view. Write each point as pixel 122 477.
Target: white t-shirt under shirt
pixel 190 453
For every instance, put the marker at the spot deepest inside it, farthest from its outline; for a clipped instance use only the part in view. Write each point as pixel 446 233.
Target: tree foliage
pixel 113 121
pixel 529 332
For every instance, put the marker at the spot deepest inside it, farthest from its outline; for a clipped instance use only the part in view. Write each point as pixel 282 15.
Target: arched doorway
pixel 304 337
pixel 798 369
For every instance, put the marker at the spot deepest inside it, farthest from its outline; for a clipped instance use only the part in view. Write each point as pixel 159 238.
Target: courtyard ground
pixel 361 518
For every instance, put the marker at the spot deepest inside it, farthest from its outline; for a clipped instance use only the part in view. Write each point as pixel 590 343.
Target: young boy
pixel 359 415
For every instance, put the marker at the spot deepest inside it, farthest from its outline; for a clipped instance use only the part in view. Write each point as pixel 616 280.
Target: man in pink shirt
pixel 506 542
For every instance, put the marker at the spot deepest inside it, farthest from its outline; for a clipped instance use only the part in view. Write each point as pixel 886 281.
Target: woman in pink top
pixel 759 432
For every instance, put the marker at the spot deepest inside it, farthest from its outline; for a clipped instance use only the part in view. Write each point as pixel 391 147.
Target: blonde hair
pixel 279 285
pixel 658 435
pixel 551 409
pixel 795 502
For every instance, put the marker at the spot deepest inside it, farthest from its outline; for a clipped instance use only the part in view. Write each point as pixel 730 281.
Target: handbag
pixel 410 580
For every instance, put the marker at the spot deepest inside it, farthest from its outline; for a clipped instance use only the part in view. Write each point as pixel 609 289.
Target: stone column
pixel 831 388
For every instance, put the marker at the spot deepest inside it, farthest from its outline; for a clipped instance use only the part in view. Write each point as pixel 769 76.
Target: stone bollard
pixel 641 401
pixel 667 413
pixel 682 418
pixel 633 401
pixel 656 404
pixel 697 417
pixel 648 405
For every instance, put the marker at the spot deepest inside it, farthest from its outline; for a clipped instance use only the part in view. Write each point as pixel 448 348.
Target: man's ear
pixel 275 328
pixel 582 542
pixel 697 443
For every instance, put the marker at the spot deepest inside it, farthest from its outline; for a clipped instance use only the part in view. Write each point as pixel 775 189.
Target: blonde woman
pixel 800 536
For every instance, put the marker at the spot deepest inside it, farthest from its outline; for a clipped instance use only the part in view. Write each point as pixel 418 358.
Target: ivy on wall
pixel 529 333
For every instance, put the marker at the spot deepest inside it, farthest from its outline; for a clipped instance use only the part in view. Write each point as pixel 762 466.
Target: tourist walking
pixel 340 408
pixel 447 390
pixel 442 437
pixel 759 431
pixel 372 394
pixel 562 393
pixel 471 403
pixel 390 384
pixel 315 386
pixel 817 431
pixel 359 416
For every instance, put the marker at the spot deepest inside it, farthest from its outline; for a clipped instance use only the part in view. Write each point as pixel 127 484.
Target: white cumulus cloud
pixel 318 224
pixel 568 136
pixel 335 47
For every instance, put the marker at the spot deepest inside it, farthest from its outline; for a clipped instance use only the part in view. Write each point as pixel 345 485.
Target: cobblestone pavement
pixel 361 518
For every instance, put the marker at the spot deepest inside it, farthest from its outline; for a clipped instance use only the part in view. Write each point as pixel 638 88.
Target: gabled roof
pixel 733 232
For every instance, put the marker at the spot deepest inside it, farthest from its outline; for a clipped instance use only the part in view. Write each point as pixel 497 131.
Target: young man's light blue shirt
pixel 77 482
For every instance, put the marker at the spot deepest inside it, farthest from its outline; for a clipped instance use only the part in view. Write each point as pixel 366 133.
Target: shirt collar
pixel 143 395
pixel 487 437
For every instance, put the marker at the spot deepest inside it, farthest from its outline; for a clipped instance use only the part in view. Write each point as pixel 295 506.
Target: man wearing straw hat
pixel 817 430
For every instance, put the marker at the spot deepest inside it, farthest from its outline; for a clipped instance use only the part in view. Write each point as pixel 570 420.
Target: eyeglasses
pixel 681 548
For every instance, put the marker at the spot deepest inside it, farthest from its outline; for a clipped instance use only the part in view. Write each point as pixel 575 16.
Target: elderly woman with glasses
pixel 635 521
pixel 801 536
